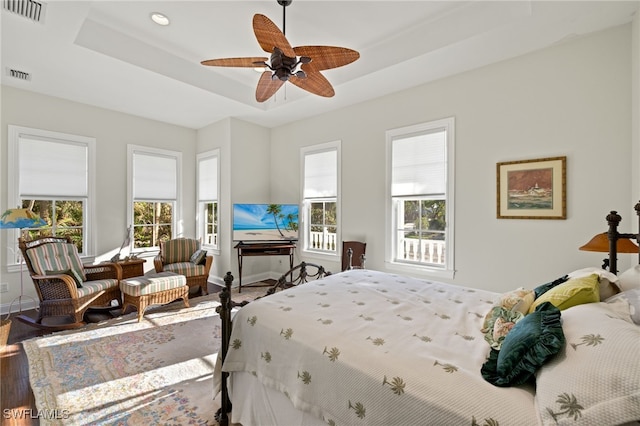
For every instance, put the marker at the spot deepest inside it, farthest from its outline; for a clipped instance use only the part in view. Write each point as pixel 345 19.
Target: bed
pixel 367 347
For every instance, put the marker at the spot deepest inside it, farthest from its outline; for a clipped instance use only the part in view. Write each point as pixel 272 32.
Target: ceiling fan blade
pixel 270 36
pixel 267 87
pixel 327 57
pixel 314 82
pixel 234 62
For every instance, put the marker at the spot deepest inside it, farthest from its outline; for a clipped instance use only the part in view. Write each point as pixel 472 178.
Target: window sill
pixel 326 257
pixel 420 271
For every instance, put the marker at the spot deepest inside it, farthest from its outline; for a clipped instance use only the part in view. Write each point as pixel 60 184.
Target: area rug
pixel 121 372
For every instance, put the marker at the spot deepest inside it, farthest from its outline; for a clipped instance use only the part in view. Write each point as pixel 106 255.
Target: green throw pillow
pixel 574 292
pixel 73 274
pixel 529 344
pixel 198 257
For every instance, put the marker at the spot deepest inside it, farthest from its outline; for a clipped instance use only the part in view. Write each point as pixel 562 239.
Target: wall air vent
pixel 30 9
pixel 20 75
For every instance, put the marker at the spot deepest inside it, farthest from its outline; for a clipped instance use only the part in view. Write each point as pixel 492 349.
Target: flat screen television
pixel 265 222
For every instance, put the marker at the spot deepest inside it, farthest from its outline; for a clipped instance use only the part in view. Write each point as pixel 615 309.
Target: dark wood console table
pixel 263 249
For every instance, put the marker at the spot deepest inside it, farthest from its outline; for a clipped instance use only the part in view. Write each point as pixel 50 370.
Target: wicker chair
pixel 183 256
pixel 67 288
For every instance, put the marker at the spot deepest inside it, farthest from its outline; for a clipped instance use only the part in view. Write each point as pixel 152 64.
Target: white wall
pixel 245 170
pixel 570 100
pixel 218 135
pixel 113 131
pixel 635 110
pixel 573 99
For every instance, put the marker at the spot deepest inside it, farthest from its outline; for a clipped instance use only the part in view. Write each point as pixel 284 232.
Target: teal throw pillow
pixel 198 257
pixel 73 274
pixel 541 289
pixel 530 343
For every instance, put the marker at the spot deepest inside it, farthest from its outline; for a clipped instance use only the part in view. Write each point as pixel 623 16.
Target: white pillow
pixel 608 282
pixel 595 378
pixel 632 298
pixel 629 279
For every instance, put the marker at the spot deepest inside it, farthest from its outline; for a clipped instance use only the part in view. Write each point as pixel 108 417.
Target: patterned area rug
pixel 158 371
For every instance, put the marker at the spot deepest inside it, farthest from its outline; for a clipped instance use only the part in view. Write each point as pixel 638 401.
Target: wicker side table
pixel 132 267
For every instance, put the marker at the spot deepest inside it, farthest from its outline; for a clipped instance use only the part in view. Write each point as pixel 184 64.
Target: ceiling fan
pixel 300 65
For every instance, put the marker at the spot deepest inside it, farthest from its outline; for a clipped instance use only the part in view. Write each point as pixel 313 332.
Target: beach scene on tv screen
pixel 265 222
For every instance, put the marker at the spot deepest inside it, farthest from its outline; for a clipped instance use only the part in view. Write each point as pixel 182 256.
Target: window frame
pixel 176 220
pixel 448 271
pixel 305 203
pixel 14 198
pixel 201 222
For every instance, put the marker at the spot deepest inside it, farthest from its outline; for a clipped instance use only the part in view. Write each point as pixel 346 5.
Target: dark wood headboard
pixel 613 219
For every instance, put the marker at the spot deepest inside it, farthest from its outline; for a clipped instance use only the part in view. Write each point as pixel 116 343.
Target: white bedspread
pixel 366 347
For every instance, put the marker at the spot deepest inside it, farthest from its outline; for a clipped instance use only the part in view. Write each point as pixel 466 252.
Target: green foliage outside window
pixel 323 214
pixel 425 215
pixel 151 223
pixel 64 218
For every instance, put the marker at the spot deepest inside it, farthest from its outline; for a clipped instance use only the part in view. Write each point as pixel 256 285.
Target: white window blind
pixel 419 164
pixel 321 174
pixel 52 168
pixel 208 178
pixel 154 176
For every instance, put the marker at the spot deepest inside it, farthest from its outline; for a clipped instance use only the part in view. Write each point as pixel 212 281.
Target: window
pixel 208 190
pixel 52 174
pixel 421 196
pixel 154 187
pixel 320 185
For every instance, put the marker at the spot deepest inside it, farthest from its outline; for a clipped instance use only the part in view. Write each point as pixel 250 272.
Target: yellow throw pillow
pixel 574 292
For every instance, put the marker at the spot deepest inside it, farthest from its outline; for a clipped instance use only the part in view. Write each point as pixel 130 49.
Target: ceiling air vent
pixel 20 75
pixel 30 9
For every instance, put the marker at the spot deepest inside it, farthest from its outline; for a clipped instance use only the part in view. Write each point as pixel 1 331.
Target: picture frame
pixel 532 189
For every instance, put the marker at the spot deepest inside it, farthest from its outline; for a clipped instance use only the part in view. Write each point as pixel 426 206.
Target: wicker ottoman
pixel 154 289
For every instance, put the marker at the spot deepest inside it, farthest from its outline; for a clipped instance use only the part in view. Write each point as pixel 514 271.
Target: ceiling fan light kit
pixel 300 65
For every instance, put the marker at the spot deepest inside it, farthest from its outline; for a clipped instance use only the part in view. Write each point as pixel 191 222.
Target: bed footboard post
pixel 225 317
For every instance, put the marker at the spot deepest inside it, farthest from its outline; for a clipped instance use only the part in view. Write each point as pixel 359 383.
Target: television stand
pixel 263 249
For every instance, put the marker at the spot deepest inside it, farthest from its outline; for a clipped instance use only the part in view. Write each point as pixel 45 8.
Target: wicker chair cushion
pixel 56 257
pixel 198 257
pixel 92 287
pixel 187 269
pixel 152 283
pixel 179 250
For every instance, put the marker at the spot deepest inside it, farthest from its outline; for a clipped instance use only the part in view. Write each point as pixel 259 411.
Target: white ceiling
pixel 110 54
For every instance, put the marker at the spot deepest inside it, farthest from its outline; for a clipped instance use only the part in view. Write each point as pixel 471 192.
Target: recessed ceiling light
pixel 159 18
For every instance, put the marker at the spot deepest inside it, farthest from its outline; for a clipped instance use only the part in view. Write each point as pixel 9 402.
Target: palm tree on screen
pixel 276 211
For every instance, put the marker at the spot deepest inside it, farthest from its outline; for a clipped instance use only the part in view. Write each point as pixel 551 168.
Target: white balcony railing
pixel 423 251
pixel 323 241
pixel 211 240
pixel 409 249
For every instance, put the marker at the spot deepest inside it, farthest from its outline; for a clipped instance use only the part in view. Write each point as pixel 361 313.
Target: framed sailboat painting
pixel 532 189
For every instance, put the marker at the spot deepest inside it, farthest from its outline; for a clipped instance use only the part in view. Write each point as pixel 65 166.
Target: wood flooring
pixel 18 405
